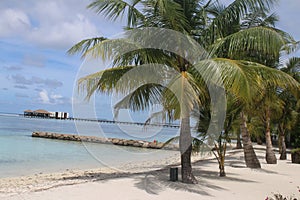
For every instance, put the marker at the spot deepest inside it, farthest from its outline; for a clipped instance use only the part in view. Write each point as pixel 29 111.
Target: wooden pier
pixel 111 121
pixel 129 123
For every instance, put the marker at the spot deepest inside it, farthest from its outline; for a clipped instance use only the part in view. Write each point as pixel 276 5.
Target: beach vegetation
pixel 295 150
pixel 243 51
pixel 289 115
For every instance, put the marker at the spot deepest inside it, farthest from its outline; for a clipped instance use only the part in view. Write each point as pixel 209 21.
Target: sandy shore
pixel 151 181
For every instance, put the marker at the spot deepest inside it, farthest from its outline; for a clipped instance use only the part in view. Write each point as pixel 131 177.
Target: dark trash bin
pixel 174 174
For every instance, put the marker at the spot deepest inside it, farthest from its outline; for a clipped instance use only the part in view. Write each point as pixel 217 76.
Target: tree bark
pixel 238 141
pixel 282 145
pixel 249 153
pixel 270 154
pixel 185 145
pixel 222 161
pixel 222 170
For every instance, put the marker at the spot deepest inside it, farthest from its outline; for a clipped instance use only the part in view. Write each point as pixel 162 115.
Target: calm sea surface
pixel 20 154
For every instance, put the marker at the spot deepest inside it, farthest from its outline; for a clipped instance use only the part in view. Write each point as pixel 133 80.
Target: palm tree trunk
pixel 222 170
pixel 282 145
pixel 270 154
pixel 238 141
pixel 185 145
pixel 249 153
pixel 222 159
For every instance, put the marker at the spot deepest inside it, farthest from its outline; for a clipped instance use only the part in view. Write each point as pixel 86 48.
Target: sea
pixel 22 155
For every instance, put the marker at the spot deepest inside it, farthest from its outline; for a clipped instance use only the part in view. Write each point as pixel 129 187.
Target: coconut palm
pixel 288 115
pixel 253 21
pixel 266 109
pixel 189 18
pixel 233 109
pixel 286 120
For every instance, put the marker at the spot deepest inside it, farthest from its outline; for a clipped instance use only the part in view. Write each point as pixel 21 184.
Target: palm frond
pixel 292 68
pixel 231 74
pixel 114 9
pixel 83 46
pixel 103 81
pixel 185 92
pixel 271 19
pixel 235 11
pixel 166 14
pixel 141 98
pixel 259 18
pixel 159 115
pixel 251 42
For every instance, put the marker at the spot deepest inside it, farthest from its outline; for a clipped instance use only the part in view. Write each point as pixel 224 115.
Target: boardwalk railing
pixel 113 122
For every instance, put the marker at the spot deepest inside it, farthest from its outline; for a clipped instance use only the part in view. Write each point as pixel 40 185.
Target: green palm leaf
pixel 114 9
pixel 103 81
pixel 83 46
pixel 235 11
pixel 252 41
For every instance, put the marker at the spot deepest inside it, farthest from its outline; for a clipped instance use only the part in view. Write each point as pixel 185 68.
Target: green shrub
pixel 295 150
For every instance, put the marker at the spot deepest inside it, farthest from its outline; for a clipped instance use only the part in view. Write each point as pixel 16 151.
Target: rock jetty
pixel 115 141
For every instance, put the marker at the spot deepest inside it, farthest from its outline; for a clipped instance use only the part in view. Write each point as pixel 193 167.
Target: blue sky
pixel 36 71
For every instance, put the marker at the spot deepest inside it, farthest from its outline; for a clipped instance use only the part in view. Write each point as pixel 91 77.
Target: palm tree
pixel 288 114
pixel 266 109
pixel 252 21
pixel 189 18
pixel 233 109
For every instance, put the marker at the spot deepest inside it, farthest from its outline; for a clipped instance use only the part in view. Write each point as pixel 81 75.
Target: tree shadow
pixel 154 184
pixel 149 184
pixel 265 171
pixel 156 180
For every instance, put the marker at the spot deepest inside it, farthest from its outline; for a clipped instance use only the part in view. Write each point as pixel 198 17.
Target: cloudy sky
pixel 36 71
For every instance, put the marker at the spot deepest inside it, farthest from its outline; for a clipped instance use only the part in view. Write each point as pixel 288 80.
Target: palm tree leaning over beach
pixel 189 18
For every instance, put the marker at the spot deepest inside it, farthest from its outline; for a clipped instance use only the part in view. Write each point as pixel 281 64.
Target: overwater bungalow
pixel 41 113
pixel 28 112
pixel 46 114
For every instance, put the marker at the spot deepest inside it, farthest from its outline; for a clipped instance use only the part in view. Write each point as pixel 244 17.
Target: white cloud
pixel 43 97
pixel 56 96
pixel 13 22
pixel 53 99
pixel 63 34
pixel 52 24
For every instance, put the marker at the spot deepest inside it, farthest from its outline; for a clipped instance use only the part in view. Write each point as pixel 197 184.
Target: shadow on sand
pixel 155 181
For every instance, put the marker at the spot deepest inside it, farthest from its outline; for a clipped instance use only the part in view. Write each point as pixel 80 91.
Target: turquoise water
pixel 20 154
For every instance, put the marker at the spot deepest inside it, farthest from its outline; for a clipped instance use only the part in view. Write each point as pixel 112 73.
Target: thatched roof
pixel 41 111
pixel 28 111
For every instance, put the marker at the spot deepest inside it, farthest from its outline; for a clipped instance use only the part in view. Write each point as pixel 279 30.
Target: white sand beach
pixel 151 181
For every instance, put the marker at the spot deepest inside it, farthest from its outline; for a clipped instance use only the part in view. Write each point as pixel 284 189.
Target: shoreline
pixel 151 181
pixel 12 186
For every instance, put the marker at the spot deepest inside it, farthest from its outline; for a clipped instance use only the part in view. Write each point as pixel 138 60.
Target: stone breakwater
pixel 115 141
